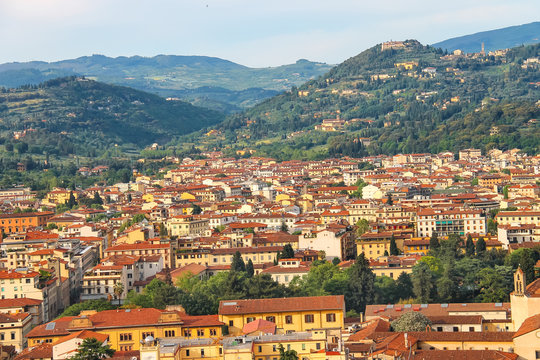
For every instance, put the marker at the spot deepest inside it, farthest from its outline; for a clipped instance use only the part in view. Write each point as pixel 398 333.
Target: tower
pixel 483 52
pixel 519 282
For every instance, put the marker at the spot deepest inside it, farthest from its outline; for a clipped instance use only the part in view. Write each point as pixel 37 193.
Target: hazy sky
pixel 250 32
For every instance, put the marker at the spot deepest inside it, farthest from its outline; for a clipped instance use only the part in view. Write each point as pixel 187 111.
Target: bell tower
pixel 519 282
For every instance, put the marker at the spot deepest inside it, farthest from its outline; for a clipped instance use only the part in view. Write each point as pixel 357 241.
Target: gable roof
pixel 313 303
pixel 530 324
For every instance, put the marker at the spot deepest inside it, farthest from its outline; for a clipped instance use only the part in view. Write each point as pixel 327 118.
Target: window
pixel 259 348
pixel 288 347
pixel 274 349
pixel 2 337
pixel 231 323
pixel 187 352
pixel 331 317
pixel 318 346
pixel 303 346
pixel 471 328
pixel 202 352
pixel 187 333
pixel 147 334
pixel 213 332
pixel 455 328
pixel 125 337
pixel 271 319
pixel 537 352
pixel 250 319
pixel 200 332
pixel 439 328
pixel 170 333
pixel 13 335
pixel 308 318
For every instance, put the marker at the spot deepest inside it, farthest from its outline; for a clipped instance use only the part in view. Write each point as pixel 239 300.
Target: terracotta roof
pixel 377 325
pixel 200 321
pixel 463 355
pixel 20 302
pixel 58 329
pixel 394 311
pixel 42 351
pixel 265 326
pixel 83 334
pixel 530 324
pixel 533 289
pixel 456 319
pixel 497 337
pixel 127 318
pixel 313 303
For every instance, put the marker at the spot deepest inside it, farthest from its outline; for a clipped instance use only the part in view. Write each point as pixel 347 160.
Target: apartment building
pixel 446 222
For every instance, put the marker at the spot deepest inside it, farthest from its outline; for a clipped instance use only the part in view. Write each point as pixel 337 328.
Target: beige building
pixel 13 329
pixel 187 225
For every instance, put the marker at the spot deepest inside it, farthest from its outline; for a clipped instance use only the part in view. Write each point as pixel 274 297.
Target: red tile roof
pixel 530 324
pixel 313 303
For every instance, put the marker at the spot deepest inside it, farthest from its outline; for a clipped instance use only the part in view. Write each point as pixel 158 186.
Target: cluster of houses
pixel 195 217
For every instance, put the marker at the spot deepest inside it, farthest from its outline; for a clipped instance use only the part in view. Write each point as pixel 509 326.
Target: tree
pixel 118 290
pixel 385 290
pixel 162 230
pixel 493 287
pixel 526 260
pixel 97 199
pixel 196 209
pixel 404 286
pixel 360 286
pixel 168 277
pixel 362 226
pixel 238 263
pixel 447 285
pixel 411 321
pixel 287 354
pixel 284 227
pixel 389 199
pixel 393 247
pixel 92 349
pixel 288 252
pixel 434 244
pixel 98 305
pixel 250 270
pixel 335 261
pixel 480 247
pixel 423 282
pixel 469 246
pixel 71 203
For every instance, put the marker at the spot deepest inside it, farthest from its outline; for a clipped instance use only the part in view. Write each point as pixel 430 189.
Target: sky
pixel 255 33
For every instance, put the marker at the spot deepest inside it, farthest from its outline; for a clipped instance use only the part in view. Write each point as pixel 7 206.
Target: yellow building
pixel 127 328
pixel 289 314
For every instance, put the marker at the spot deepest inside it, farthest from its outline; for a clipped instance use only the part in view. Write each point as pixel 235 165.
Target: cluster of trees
pixel 449 274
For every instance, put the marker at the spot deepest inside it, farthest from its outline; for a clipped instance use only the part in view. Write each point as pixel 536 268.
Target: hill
pixel 75 115
pixel 400 97
pixel 498 39
pixel 172 76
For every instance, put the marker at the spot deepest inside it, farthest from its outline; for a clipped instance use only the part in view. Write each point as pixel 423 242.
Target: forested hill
pixel 74 115
pixel 405 98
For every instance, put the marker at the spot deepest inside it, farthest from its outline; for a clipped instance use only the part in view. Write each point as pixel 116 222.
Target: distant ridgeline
pixel 397 97
pixel 74 115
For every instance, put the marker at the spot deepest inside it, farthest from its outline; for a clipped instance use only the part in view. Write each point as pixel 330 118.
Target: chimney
pixel 406 342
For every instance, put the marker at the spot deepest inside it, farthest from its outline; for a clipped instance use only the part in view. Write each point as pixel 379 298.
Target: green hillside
pixel 504 38
pixel 172 76
pixel 74 115
pixel 410 99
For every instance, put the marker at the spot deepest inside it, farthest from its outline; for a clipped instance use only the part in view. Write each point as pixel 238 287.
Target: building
pixel 289 314
pixel 444 223
pixel 286 270
pixel 14 223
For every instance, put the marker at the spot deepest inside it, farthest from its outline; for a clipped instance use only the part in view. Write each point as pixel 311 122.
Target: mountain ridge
pixel 496 39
